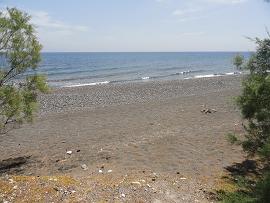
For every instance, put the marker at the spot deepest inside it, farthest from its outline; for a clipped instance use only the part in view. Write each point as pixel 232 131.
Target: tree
pixel 19 53
pixel 254 102
pixel 238 61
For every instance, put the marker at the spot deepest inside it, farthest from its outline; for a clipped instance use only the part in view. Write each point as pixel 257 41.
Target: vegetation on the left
pixel 20 83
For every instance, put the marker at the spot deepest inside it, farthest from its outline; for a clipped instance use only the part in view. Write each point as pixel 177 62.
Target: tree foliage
pixel 19 52
pixel 238 61
pixel 254 102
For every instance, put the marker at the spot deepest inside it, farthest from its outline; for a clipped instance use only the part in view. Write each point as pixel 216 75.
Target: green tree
pixel 19 52
pixel 254 102
pixel 238 61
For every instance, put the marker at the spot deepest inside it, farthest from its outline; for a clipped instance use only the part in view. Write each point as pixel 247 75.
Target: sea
pixel 82 69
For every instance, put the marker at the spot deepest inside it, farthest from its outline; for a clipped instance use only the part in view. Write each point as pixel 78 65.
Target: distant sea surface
pixel 80 69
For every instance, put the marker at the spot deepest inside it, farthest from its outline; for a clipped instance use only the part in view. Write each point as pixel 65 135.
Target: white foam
pixel 186 72
pixel 233 73
pixel 145 78
pixel 88 84
pixel 207 76
pixel 188 78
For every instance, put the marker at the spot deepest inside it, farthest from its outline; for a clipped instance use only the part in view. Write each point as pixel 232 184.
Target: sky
pixel 146 25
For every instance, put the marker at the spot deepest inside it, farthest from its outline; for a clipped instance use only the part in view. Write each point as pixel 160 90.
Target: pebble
pixel 69 152
pixel 78 98
pixel 109 171
pixel 84 167
pixel 136 183
pixel 123 195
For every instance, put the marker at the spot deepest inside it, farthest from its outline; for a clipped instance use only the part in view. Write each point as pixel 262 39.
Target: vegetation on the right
pixel 254 103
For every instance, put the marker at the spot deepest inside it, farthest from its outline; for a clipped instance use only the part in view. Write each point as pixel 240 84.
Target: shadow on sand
pixel 13 165
pixel 244 168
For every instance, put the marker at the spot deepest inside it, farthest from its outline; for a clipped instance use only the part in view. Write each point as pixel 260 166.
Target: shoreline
pixel 65 99
pixel 171 77
pixel 134 129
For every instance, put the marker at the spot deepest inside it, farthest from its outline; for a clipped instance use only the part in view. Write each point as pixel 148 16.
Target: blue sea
pixel 80 69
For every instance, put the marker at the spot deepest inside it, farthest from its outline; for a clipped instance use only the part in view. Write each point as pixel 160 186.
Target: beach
pixel 158 127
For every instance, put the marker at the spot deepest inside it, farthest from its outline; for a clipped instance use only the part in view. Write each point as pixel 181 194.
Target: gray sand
pixel 148 126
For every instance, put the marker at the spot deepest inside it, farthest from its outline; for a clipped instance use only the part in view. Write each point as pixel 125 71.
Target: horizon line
pixel 143 51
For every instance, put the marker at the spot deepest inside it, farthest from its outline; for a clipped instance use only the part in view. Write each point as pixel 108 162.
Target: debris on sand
pixel 84 167
pixel 136 183
pixel 207 110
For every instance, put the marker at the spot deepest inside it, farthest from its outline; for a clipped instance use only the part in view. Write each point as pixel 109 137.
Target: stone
pixel 84 167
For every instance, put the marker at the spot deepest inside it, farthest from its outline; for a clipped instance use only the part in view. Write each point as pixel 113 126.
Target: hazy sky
pixel 147 25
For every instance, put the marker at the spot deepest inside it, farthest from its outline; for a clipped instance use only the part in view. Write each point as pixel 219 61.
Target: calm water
pixel 72 69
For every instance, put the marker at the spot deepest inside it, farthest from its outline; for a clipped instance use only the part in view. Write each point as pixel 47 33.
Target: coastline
pixel 136 128
pixel 65 99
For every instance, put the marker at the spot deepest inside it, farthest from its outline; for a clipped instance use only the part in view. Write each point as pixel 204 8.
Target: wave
pixel 216 75
pixel 88 84
pixel 92 76
pixel 207 76
pixel 233 73
pixel 146 78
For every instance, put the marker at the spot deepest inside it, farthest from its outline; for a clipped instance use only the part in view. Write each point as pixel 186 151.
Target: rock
pixel 69 152
pixel 84 167
pixel 109 171
pixel 206 110
pixel 67 167
pixel 100 171
pixel 136 183
pixel 123 195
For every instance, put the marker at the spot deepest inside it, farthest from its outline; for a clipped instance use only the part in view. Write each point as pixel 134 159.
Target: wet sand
pixel 141 127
